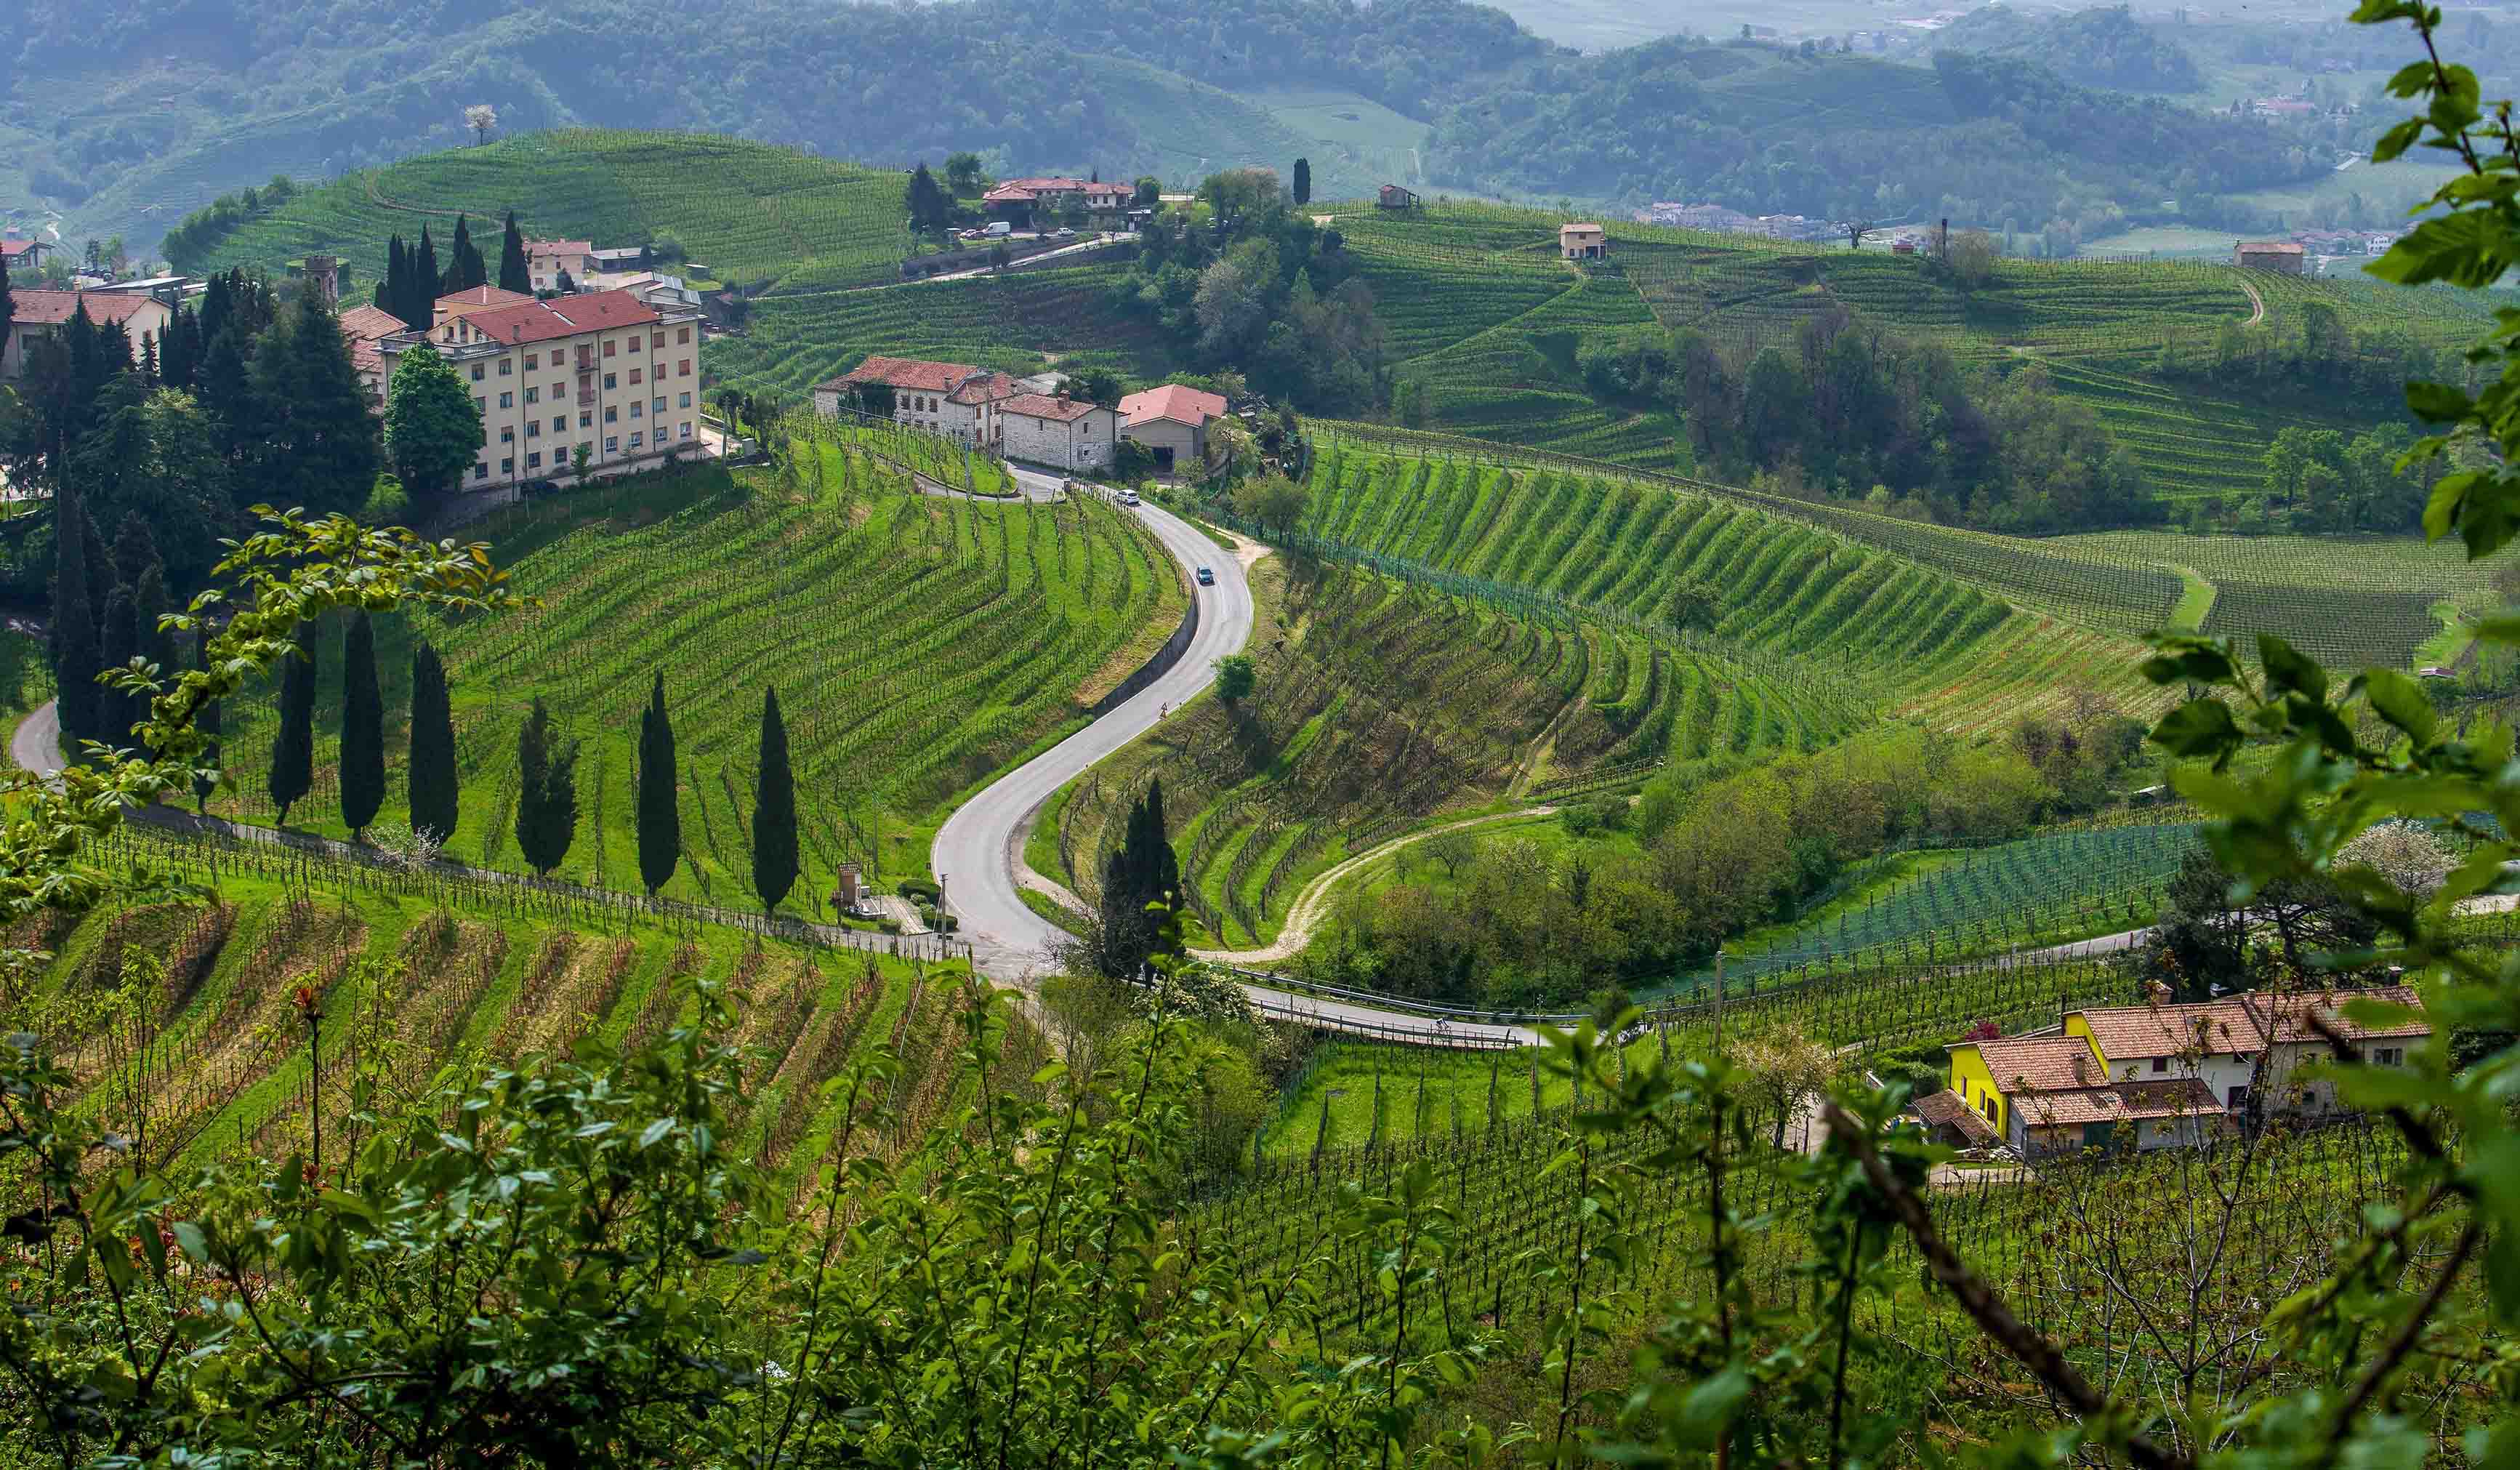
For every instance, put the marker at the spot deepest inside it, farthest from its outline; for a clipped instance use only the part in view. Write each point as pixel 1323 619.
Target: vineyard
pixel 1382 701
pixel 919 642
pixel 749 211
pixel 181 1025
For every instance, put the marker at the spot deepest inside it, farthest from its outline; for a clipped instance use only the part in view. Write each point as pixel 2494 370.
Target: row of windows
pixel 534 360
pixel 560 459
pixel 509 400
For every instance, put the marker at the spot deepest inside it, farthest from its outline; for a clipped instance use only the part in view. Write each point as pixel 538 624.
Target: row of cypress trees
pixel 412 281
pixel 546 819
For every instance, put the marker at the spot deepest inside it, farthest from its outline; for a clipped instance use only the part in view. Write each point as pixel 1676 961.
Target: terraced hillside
pixel 1384 701
pixel 181 1027
pixel 1802 577
pixel 748 211
pixel 791 341
pixel 918 643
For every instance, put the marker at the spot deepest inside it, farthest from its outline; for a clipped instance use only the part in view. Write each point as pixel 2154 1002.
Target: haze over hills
pixel 121 118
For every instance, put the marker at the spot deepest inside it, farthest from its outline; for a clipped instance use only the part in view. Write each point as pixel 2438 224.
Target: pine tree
pixel 76 656
pixel 317 444
pixel 432 782
pixel 774 811
pixel 661 818
pixel 293 750
pixel 515 273
pixel 546 793
pixel 363 730
pixel 148 360
pixel 206 722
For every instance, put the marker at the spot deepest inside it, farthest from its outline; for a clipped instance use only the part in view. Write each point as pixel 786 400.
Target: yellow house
pixel 1583 242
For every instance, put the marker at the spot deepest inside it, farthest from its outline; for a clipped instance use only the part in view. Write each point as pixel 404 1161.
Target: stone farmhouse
pixel 960 401
pixel 2164 1076
pixel 606 374
pixel 1055 430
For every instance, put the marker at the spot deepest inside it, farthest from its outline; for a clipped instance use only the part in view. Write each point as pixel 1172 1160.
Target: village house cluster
pixel 2161 1075
pixel 1034 420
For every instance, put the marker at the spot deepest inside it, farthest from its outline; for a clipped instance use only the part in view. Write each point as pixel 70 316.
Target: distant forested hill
pixel 1763 128
pixel 143 111
pixel 2103 47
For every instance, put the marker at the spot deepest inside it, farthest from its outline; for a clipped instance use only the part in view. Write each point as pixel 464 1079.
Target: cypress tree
pixel 546 793
pixel 119 631
pixel 433 783
pixel 1140 871
pixel 1303 181
pixel 387 294
pixel 660 819
pixel 135 550
pixel 148 602
pixel 363 730
pixel 424 285
pixel 515 273
pixel 76 658
pixel 8 302
pixel 1158 870
pixel 293 750
pixel 774 811
pixel 205 768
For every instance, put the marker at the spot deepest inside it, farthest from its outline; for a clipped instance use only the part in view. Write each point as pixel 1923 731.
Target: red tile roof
pixel 52 307
pixel 1945 1109
pixel 2135 1033
pixel 916 373
pixel 2288 1016
pixel 568 316
pixel 2041 1063
pixel 16 248
pixel 2185 1097
pixel 1044 406
pixel 1175 401
pixel 987 387
pixel 473 299
pixel 368 323
pixel 560 247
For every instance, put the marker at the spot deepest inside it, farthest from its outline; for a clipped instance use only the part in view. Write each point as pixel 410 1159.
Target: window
pixel 508 466
pixel 507 436
pixel 507 367
pixel 683 335
pixel 2160 1064
pixel 533 429
pixel 610 348
pixel 560 423
pixel 558 389
pixel 635 440
pixel 658 342
pixel 685 430
pixel 534 461
pixel 533 360
pixel 482 472
pixel 2388 1056
pixel 634 376
pixel 661 408
pixel 477 371
pixel 686 401
pixel 585 418
pixel 638 409
pixel 613 443
pixel 507 399
pixel 612 414
pixel 611 380
pixel 683 369
pixel 533 394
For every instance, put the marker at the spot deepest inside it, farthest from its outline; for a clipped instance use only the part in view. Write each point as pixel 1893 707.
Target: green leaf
pixel 2287 668
pixel 2438 402
pixel 2401 702
pixel 2200 729
pixel 649 1135
pixel 189 1238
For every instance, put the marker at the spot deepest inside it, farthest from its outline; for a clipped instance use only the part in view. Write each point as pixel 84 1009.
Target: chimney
pixel 2158 992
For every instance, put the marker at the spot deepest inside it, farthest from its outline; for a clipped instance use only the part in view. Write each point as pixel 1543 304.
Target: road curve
pixel 974 854
pixel 36 744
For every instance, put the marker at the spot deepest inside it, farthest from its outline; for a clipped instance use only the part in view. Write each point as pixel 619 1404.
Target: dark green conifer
pixel 433 790
pixel 76 655
pixel 207 765
pixel 293 750
pixel 774 811
pixel 546 793
pixel 660 819
pixel 363 730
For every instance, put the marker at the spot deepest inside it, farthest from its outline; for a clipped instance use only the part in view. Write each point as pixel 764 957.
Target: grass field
pixel 748 211
pixel 918 644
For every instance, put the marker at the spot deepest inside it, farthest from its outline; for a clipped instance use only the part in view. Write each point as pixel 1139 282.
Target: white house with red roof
pixel 41 314
pixel 606 374
pixel 546 260
pixel 23 254
pixel 953 398
pixel 1170 420
pixel 1022 195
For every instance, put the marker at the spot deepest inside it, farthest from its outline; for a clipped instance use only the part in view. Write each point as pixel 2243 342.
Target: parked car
pixel 1130 497
pixel 998 229
pixel 1206 577
pixel 1063 234
pixel 541 487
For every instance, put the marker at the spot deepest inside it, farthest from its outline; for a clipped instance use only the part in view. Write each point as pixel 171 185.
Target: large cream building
pixel 604 372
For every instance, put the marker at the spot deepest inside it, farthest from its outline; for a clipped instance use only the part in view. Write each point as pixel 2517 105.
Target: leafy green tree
pixel 1235 674
pixel 963 172
pixel 1095 384
pixel 930 209
pixel 660 817
pixel 363 730
pixel 292 749
pixel 433 784
pixel 1150 192
pixel 516 271
pixel 546 791
pixel 432 427
pixel 774 811
pixel 1273 500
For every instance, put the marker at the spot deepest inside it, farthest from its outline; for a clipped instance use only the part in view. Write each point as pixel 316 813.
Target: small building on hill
pixel 1393 196
pixel 2268 255
pixel 547 261
pixel 39 315
pixel 953 398
pixel 23 255
pixel 1170 420
pixel 1063 433
pixel 1582 241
